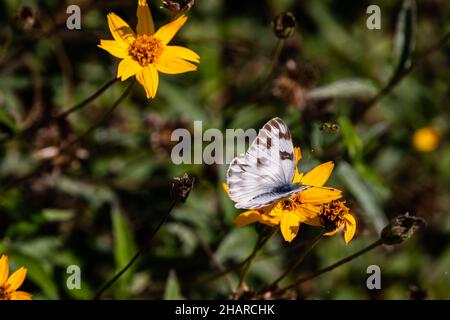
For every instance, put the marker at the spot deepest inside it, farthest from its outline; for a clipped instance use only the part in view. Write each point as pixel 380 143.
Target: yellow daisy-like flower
pixel 316 206
pixel 146 52
pixel 426 139
pixel 10 284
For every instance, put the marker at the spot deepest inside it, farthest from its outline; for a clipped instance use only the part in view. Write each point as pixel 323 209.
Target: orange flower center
pixel 4 295
pixel 331 214
pixel 145 49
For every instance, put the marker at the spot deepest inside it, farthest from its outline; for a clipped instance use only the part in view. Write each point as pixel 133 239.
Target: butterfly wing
pixel 264 173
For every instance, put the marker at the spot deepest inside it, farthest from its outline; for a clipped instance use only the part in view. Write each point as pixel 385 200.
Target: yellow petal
pixel 128 67
pixel 350 228
pixel 120 30
pixel 168 31
pixel 289 225
pixel 319 175
pixel 269 220
pixel 315 195
pixel 16 279
pixel 182 52
pixel 171 64
pixel 20 295
pixel 331 233
pixel 117 48
pixel 149 79
pixel 309 214
pixel 247 217
pixel 4 270
pixel 145 23
pixel 225 187
pixel 298 156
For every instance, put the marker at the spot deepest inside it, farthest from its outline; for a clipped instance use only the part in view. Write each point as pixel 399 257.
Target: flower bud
pixel 181 187
pixel 178 6
pixel 26 18
pixel 284 25
pixel 401 228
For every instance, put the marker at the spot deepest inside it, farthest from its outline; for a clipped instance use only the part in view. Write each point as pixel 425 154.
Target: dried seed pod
pixel 284 25
pixel 178 6
pixel 401 228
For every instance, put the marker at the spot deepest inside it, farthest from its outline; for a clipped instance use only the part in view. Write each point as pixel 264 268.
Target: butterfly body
pixel 264 174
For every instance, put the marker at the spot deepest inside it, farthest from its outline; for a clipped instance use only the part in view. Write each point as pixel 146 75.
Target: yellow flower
pixel 147 52
pixel 426 139
pixel 314 206
pixel 9 285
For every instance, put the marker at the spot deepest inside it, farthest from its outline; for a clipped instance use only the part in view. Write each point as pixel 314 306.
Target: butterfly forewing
pixel 264 173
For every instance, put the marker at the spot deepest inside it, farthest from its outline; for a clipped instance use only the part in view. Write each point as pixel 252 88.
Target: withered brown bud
pixel 401 228
pixel 284 25
pixel 178 6
pixel 181 187
pixel 26 17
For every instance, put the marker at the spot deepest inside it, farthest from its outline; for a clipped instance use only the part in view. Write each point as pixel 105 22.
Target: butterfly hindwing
pixel 264 173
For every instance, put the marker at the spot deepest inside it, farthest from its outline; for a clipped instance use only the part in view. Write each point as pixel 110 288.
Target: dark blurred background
pixel 93 204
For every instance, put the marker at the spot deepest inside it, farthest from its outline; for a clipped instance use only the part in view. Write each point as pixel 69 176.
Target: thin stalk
pixel 88 100
pixel 398 77
pixel 138 254
pixel 300 259
pixel 248 262
pixel 331 267
pixel 214 260
pixel 104 117
pixel 273 66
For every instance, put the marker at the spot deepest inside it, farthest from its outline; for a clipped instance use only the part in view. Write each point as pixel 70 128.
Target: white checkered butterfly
pixel 264 174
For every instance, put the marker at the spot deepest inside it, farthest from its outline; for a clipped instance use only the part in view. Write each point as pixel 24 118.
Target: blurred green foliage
pixel 94 204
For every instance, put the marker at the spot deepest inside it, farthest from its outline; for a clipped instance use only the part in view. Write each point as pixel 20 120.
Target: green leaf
pixel 57 215
pixel 39 271
pixel 351 139
pixel 172 290
pixel 405 36
pixel 362 192
pixel 347 88
pixel 236 245
pixel 124 249
pixel 7 124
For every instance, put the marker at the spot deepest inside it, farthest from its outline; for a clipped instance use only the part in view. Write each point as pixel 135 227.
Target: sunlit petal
pixel 120 30
pixel 20 295
pixel 320 195
pixel 289 224
pixel 128 67
pixel 16 279
pixel 168 31
pixel 182 52
pixel 4 270
pixel 149 79
pixel 145 23
pixel 173 65
pixel 298 156
pixel 117 48
pixel 350 228
pixel 247 217
pixel 319 175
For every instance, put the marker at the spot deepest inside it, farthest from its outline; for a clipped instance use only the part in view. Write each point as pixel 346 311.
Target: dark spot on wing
pixel 284 155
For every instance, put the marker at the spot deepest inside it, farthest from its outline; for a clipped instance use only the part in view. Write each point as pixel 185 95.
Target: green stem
pixel 300 259
pixel 330 268
pixel 398 77
pixel 273 66
pixel 104 117
pixel 248 262
pixel 88 100
pixel 138 254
